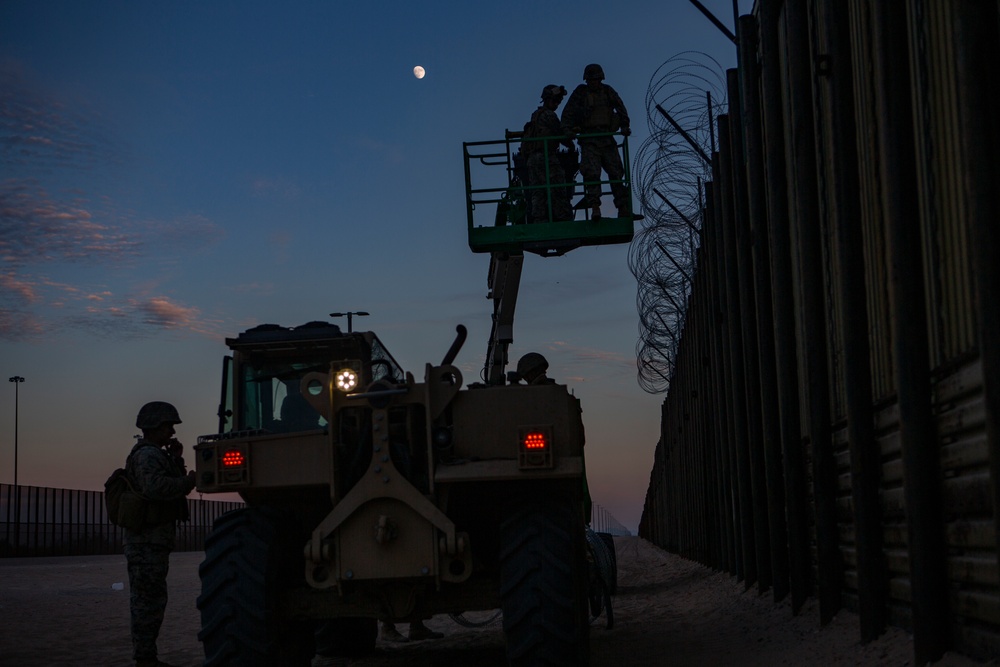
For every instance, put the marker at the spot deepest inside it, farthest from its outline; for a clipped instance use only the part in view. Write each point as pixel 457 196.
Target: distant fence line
pixel 71 522
pixel 42 521
pixel 602 521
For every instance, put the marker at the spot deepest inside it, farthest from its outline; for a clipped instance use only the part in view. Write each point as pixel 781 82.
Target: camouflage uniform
pixel 595 109
pixel 160 478
pixel 546 123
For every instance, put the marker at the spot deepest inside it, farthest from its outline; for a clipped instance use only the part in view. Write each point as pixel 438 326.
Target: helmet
pixel 531 364
pixel 552 90
pixel 153 414
pixel 593 71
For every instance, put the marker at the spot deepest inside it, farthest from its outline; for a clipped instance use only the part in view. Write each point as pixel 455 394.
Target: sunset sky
pixel 172 173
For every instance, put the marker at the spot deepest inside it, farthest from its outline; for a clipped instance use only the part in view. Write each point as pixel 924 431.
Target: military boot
pixel 391 634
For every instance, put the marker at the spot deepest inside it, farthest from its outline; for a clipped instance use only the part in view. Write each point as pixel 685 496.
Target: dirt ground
pixel 668 611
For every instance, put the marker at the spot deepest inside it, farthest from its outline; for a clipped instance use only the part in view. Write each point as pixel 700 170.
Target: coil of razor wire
pixel 685 95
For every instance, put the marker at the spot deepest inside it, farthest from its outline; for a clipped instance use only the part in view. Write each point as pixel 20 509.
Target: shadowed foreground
pixel 64 611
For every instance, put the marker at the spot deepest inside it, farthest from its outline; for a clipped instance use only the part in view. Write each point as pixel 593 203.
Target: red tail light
pixel 535 447
pixel 234 465
pixel 233 458
pixel 535 441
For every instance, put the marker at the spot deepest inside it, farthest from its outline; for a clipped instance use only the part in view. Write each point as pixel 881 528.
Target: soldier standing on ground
pixel 544 164
pixel 156 468
pixel 593 108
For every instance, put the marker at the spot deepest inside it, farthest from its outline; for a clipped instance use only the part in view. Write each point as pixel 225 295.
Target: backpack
pixel 126 506
pixel 600 115
pixel 530 132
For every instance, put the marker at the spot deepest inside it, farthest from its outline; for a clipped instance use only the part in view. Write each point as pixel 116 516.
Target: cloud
pixel 21 290
pixel 35 305
pixel 39 132
pixel 45 307
pixel 77 232
pixel 116 318
pixel 37 227
pixel 576 354
pixel 19 325
pixel 162 312
pixel 183 234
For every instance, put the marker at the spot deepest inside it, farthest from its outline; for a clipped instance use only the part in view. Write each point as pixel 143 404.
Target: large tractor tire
pixel 251 555
pixel 543 584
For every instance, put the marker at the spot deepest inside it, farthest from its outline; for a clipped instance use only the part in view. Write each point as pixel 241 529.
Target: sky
pixel 173 173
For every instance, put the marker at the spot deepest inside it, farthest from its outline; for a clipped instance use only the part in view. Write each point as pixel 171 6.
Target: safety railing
pixel 498 199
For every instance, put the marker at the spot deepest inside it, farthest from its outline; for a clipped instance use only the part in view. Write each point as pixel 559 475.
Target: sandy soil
pixel 65 611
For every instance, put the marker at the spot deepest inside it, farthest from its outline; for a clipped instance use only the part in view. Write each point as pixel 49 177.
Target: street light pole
pixel 350 318
pixel 17 380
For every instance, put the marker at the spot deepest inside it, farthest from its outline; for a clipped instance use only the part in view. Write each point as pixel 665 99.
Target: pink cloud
pixel 162 312
pixel 17 325
pixel 590 354
pixel 36 227
pixel 11 284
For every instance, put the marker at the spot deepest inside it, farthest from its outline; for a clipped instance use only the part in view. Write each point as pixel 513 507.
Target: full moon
pixel 418 72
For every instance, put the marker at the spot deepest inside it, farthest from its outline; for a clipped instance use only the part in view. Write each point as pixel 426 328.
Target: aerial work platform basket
pixel 498 199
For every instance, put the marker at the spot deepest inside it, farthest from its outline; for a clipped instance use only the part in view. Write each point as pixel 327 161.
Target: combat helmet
pixel 593 71
pixel 552 90
pixel 155 413
pixel 531 365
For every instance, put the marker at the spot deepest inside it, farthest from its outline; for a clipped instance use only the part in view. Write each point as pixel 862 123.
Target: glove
pixel 626 132
pixel 175 448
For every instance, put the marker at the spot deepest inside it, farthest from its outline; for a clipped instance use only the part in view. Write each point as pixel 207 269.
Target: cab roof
pixel 263 334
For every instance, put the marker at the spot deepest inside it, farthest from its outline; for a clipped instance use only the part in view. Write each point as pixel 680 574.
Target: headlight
pixel 346 380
